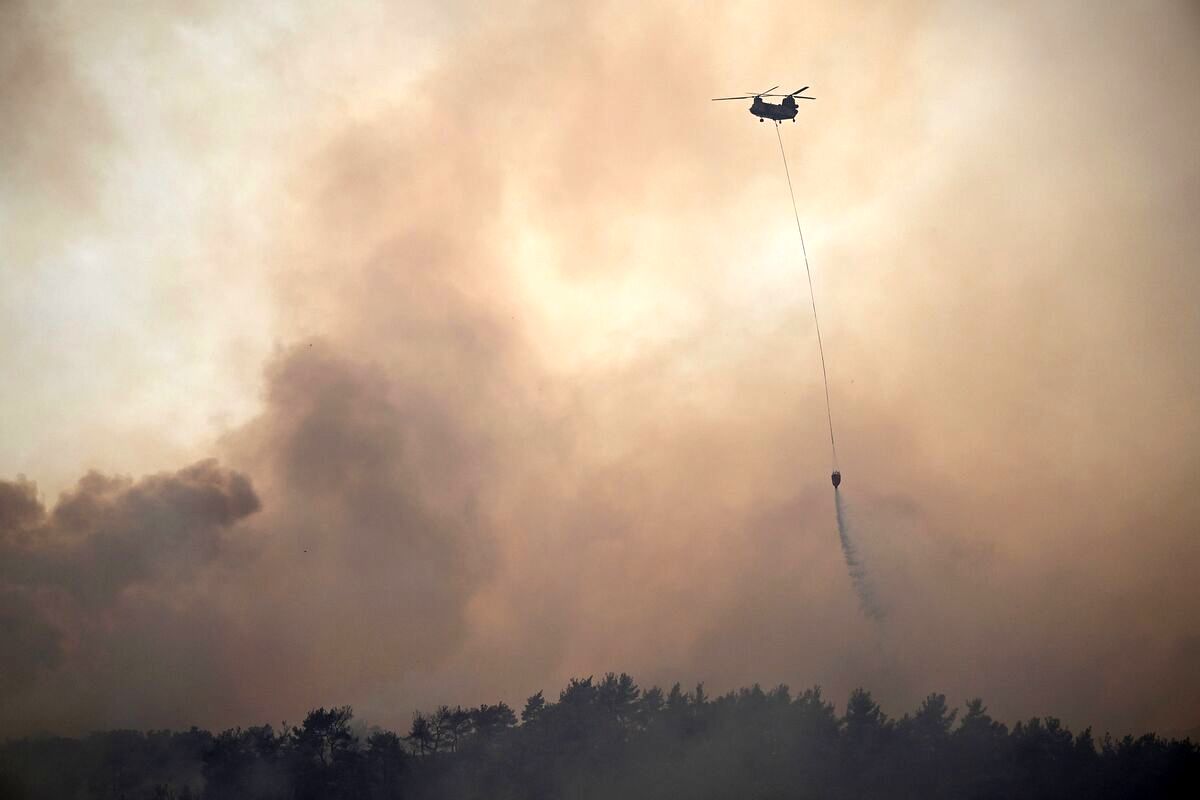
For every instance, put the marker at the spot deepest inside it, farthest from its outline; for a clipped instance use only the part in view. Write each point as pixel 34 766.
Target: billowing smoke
pixel 355 568
pixel 502 328
pixel 854 563
pixel 111 533
pixel 65 574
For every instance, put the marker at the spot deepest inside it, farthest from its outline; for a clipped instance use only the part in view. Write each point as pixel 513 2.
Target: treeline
pixel 609 739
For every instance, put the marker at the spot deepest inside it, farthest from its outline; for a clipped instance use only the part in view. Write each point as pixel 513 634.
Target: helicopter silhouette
pixel 784 110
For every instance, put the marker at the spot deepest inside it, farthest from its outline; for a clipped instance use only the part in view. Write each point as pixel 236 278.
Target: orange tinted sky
pixel 506 325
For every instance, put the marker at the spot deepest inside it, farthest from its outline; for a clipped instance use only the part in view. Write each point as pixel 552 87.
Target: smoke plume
pixel 66 575
pixel 498 330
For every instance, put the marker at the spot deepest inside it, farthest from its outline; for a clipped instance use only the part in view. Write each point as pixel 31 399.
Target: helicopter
pixel 786 109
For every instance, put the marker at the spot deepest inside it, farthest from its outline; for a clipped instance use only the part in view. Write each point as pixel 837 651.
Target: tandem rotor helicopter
pixel 784 110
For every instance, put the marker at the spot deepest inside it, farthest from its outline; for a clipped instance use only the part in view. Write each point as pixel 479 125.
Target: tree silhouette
pixel 608 738
pixel 324 755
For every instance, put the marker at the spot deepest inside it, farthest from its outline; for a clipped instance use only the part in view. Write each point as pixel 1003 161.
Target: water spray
pixel 854 563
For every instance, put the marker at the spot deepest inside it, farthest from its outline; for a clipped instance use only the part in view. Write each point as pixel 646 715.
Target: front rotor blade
pixel 742 97
pixel 773 88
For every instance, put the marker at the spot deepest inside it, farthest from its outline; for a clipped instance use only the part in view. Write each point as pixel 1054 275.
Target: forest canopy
pixel 607 737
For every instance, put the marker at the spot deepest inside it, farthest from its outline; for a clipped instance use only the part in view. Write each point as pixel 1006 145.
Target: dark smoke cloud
pixel 358 569
pixel 112 532
pixel 66 573
pixel 31 645
pixel 19 506
pixel 372 509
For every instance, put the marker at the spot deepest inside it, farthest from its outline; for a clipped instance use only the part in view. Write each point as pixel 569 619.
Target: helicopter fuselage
pixel 774 111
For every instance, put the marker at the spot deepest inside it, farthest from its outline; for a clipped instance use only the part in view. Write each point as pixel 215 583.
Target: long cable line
pixel 812 295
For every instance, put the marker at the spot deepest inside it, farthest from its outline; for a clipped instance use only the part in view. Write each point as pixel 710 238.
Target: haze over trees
pixel 608 738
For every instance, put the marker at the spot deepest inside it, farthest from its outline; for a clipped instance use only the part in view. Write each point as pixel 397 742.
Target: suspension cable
pixel 811 294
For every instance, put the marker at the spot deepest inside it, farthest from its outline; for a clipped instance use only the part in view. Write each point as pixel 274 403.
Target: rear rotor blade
pixel 798 91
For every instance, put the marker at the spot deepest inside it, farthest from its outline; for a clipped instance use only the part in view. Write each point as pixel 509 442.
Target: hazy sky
pixel 398 355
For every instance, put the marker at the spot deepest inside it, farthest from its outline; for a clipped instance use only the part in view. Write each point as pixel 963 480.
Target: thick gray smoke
pixel 854 563
pixel 67 573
